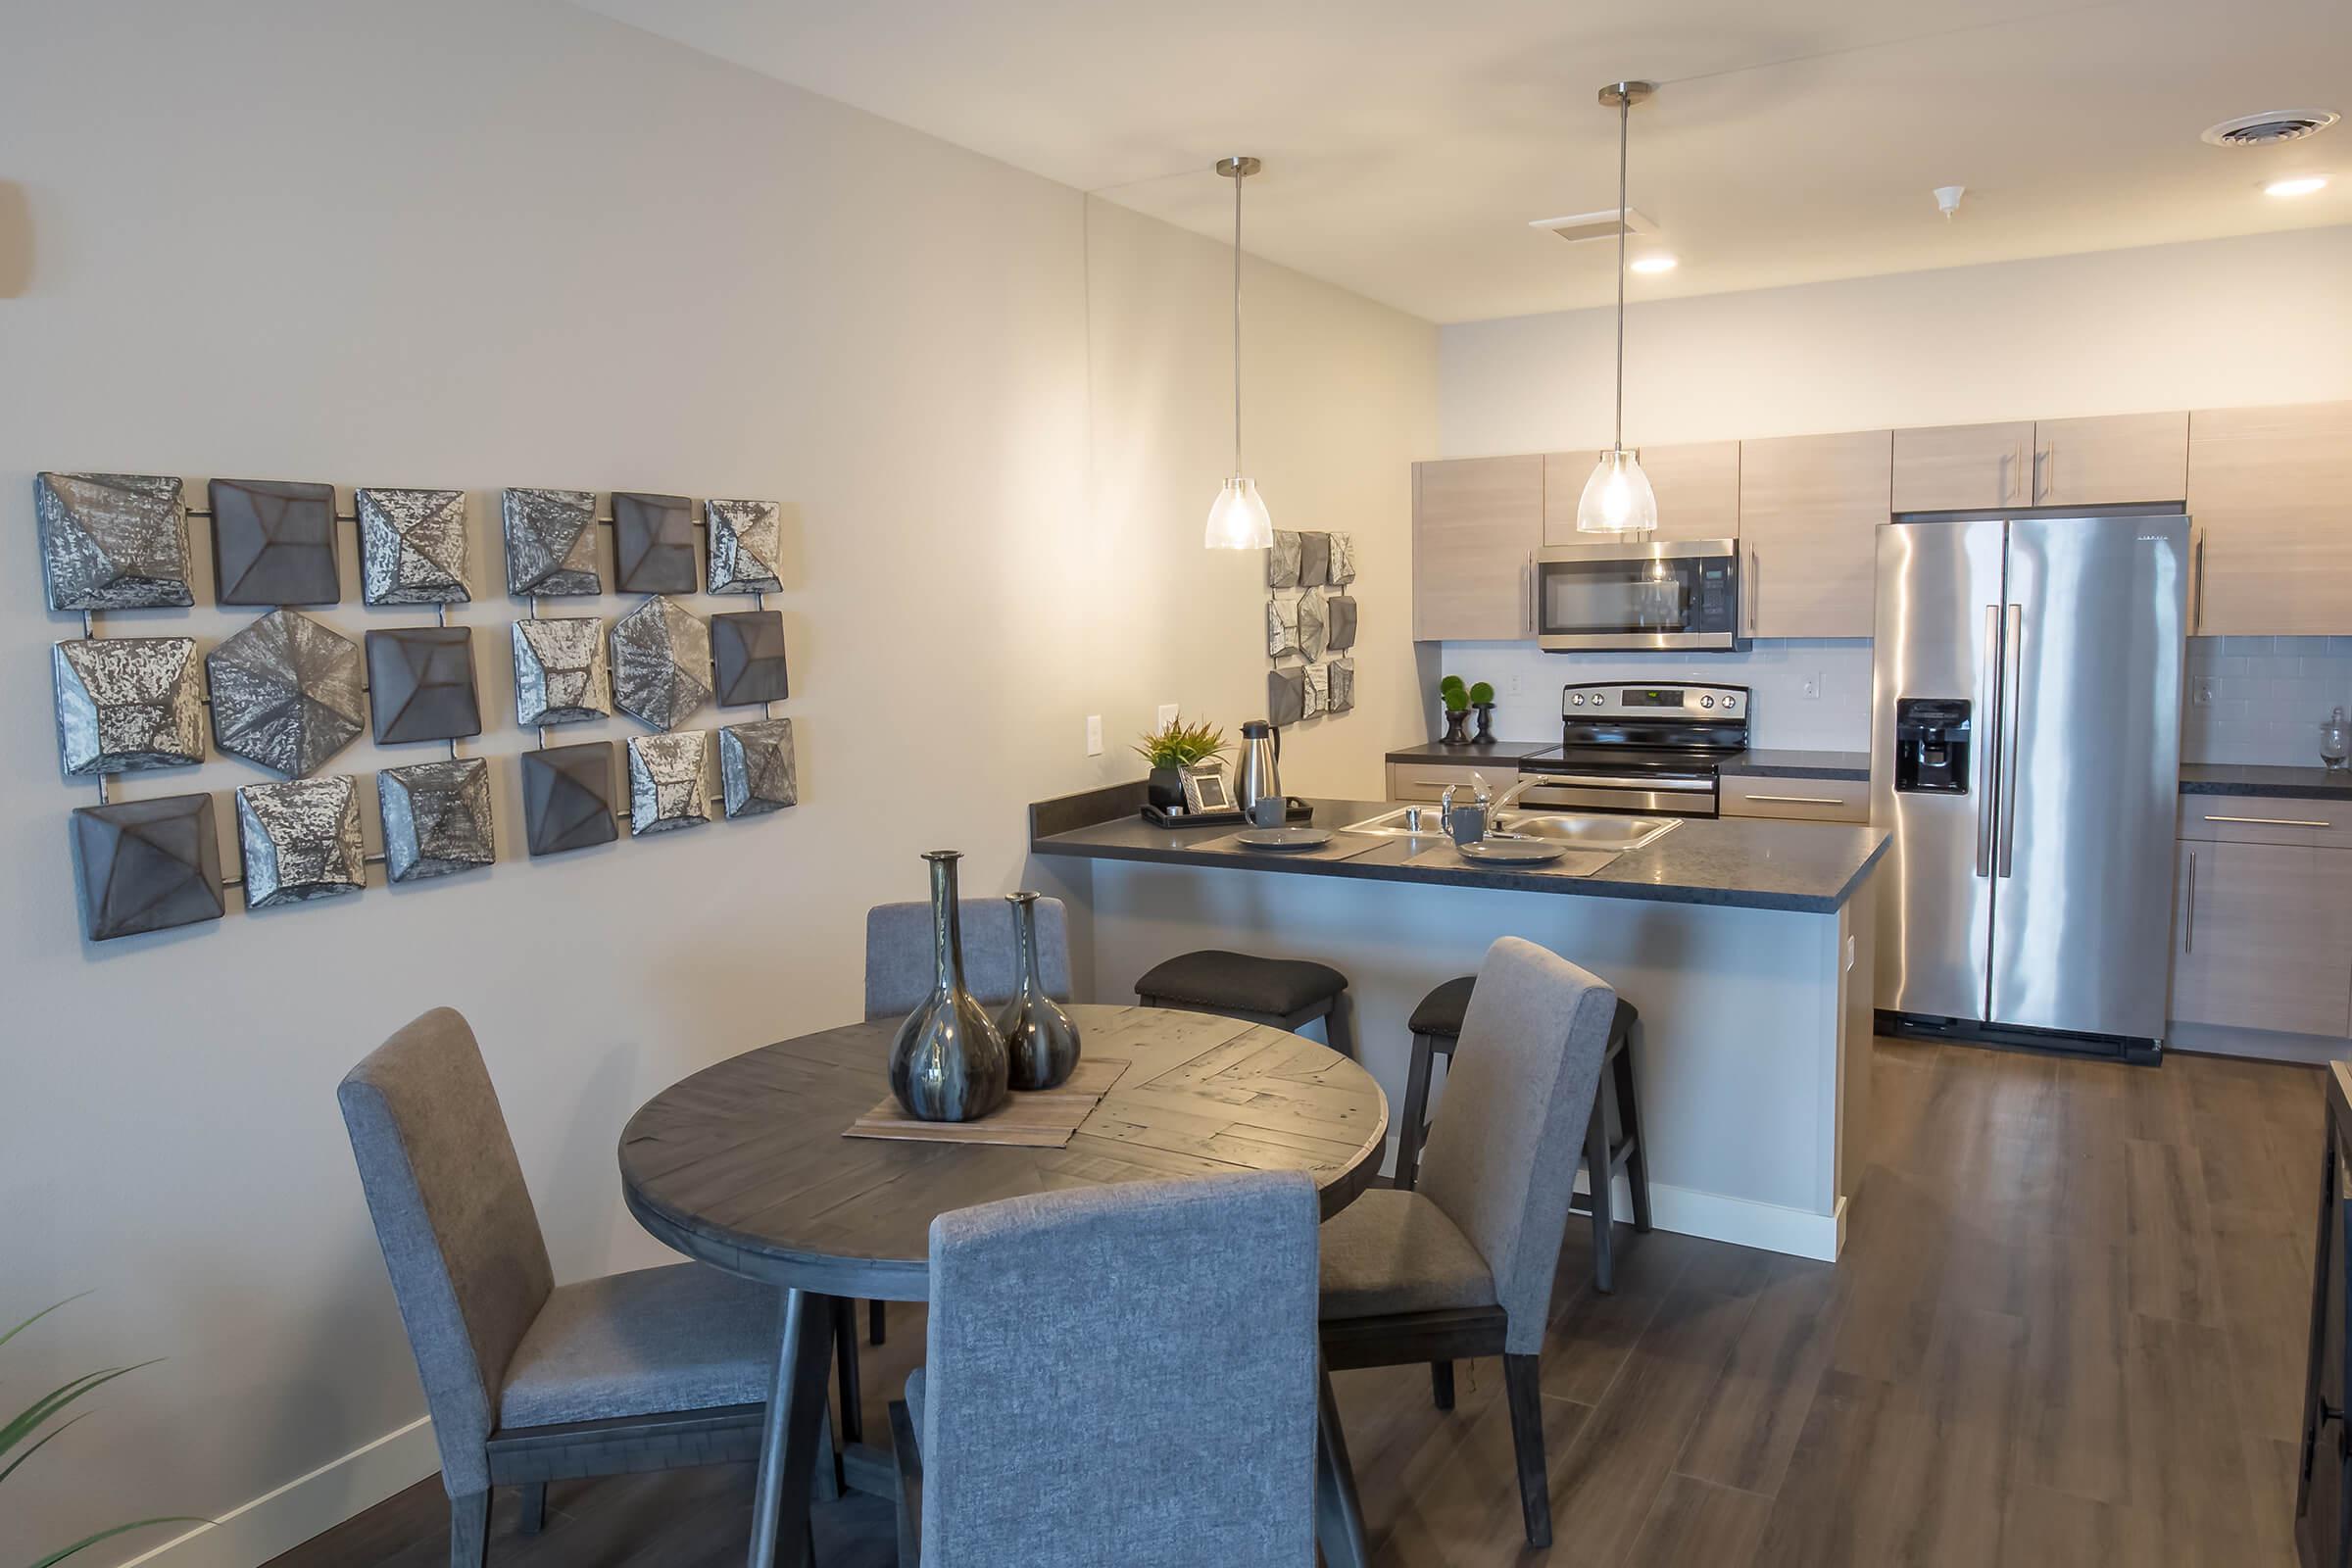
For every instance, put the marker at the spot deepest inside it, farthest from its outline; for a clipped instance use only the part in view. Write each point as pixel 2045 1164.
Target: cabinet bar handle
pixel 2189 939
pixel 2196 619
pixel 1796 799
pixel 1755 584
pixel 2273 821
pixel 2007 486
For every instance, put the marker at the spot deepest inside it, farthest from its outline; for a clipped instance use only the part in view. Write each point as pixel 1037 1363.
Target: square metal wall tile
pixel 273 541
pixel 568 798
pixel 300 841
pixel 670 781
pixel 747 658
pixel 653 544
pixel 560 676
pixel 128 704
pixel 1338 613
pixel 1314 559
pixel 113 541
pixel 1340 678
pixel 1282 625
pixel 436 818
pixel 413 548
pixel 146 866
pixel 747 539
pixel 1341 551
pixel 757 769
pixel 551 543
pixel 420 684
pixel 1285 696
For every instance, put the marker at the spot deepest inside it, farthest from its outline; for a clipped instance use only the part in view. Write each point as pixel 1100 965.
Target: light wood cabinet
pixel 2269 496
pixel 2110 460
pixel 1426 782
pixel 1804 800
pixel 1476 525
pixel 2262 937
pixel 1810 508
pixel 1696 484
pixel 1960 467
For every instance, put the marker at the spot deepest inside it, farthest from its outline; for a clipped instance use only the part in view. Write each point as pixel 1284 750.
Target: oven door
pixel 1676 592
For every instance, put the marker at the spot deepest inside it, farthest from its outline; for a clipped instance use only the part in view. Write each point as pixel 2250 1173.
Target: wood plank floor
pixel 2068 1328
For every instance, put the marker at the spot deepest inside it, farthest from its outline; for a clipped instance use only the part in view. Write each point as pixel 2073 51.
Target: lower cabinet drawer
pixel 2266 819
pixel 1809 799
pixel 1426 782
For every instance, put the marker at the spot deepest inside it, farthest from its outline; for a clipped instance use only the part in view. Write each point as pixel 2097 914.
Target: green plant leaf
pixel 29 1420
pixel 37 1316
pixel 42 1443
pixel 87 1541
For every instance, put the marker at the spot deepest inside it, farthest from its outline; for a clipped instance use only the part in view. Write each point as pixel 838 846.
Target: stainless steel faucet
pixel 1510 797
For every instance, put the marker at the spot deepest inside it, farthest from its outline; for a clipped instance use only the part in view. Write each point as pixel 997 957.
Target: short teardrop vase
pixel 1040 1039
pixel 947 1062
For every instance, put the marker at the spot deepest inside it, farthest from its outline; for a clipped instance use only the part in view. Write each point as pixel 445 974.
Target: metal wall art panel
pixel 146 866
pixel 1315 696
pixel 1340 685
pixel 1341 568
pixel 1282 561
pixel 436 818
pixel 746 546
pixel 1281 627
pixel 1313 631
pixel 560 672
pixel 273 541
pixel 551 543
pixel 1314 559
pixel 286 693
pixel 300 841
pixel 747 658
pixel 567 797
pixel 113 541
pixel 653 544
pixel 420 684
pixel 670 781
pixel 1285 697
pixel 1338 613
pixel 660 662
pixel 757 769
pixel 413 547
pixel 128 704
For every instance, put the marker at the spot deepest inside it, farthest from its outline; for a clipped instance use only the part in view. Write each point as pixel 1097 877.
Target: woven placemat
pixel 1043 1119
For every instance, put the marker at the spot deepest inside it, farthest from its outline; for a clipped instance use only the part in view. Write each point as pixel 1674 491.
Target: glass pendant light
pixel 1238 519
pixel 1617 499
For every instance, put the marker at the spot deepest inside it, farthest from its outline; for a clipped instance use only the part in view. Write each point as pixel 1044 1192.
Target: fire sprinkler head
pixel 1948 199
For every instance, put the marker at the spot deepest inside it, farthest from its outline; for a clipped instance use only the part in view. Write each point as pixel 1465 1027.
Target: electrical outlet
pixel 1518 684
pixel 1167 716
pixel 1094 734
pixel 1813 687
pixel 2200 692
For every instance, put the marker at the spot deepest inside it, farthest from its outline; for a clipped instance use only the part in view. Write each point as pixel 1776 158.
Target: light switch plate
pixel 1813 687
pixel 1094 734
pixel 1167 716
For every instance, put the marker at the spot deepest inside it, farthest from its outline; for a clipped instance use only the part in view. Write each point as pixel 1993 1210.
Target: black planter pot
pixel 1165 789
pixel 1458 728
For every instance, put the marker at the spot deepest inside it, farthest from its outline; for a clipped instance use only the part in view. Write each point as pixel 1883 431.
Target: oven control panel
pixel 1667 700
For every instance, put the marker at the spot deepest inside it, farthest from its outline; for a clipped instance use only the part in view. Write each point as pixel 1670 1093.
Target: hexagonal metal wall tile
pixel 128 704
pixel 113 541
pixel 660 662
pixel 436 818
pixel 560 672
pixel 413 547
pixel 300 841
pixel 286 693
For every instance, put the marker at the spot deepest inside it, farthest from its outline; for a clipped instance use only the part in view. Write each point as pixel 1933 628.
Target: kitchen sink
pixel 1586 832
pixel 1406 822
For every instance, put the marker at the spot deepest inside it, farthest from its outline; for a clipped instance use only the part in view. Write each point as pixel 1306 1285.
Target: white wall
pixel 453 244
pixel 2261 319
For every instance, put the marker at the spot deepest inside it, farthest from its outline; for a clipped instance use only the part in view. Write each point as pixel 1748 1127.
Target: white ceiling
pixel 1408 144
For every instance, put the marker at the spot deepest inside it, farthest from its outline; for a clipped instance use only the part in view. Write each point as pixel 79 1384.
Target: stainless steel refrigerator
pixel 2026 734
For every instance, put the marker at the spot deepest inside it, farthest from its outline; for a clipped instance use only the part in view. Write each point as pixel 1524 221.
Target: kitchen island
pixel 1747 946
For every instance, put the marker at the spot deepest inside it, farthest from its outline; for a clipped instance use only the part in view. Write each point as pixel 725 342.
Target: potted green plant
pixel 1172 749
pixel 1482 697
pixel 22 1428
pixel 1457 698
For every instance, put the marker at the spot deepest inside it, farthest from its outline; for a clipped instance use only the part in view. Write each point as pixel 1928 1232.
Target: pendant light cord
pixel 1237 325
pixel 1625 109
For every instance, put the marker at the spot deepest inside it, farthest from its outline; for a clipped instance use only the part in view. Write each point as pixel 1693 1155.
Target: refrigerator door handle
pixel 2188 935
pixel 2196 619
pixel 2012 698
pixel 1989 688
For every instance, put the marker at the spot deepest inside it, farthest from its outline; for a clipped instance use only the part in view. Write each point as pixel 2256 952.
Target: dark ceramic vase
pixel 1486 723
pixel 1165 789
pixel 947 1062
pixel 1040 1043
pixel 1457 731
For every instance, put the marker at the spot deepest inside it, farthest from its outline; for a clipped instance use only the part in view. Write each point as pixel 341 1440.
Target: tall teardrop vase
pixel 948 1062
pixel 1040 1039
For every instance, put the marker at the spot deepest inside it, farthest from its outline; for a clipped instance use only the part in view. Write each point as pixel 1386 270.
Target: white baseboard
pixel 278 1521
pixel 1745 1223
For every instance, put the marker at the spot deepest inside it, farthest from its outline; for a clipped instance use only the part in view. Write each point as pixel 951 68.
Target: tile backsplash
pixel 1833 718
pixel 2260 700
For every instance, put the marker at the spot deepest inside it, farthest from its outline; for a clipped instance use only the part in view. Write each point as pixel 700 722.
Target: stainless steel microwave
pixel 1673 592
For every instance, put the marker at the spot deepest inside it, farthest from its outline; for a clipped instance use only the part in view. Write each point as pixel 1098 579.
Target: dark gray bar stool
pixel 1286 993
pixel 1436 1025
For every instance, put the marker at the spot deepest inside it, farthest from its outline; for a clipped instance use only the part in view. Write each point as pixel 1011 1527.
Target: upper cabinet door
pixel 2110 460
pixel 1698 486
pixel 1810 508
pixel 1963 468
pixel 2269 500
pixel 1476 525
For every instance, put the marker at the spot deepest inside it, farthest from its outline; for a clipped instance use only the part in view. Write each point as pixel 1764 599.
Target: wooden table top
pixel 743 1166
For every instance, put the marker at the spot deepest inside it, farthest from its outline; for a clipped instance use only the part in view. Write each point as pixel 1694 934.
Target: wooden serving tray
pixel 1043 1119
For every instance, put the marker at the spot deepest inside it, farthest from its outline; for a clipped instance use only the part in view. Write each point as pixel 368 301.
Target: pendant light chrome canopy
pixel 1236 519
pixel 1618 498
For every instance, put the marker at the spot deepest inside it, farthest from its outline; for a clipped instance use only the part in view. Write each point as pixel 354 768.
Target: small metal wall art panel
pixel 286 693
pixel 661 663
pixel 1314 559
pixel 551 543
pixel 413 547
pixel 1316 695
pixel 273 541
pixel 746 545
pixel 567 797
pixel 1338 614
pixel 653 544
pixel 146 866
pixel 420 684
pixel 1281 627
pixel 113 541
pixel 756 768
pixel 1340 685
pixel 747 658
pixel 560 672
pixel 1285 697
pixel 128 704
pixel 300 841
pixel 1341 550
pixel 1282 561
pixel 670 781
pixel 1313 631
pixel 436 818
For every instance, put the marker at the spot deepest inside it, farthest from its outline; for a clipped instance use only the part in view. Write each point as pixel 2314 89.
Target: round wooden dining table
pixel 748 1165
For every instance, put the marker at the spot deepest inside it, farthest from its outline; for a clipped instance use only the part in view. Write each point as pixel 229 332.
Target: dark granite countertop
pixel 2279 783
pixel 1744 861
pixel 1495 751
pixel 1751 764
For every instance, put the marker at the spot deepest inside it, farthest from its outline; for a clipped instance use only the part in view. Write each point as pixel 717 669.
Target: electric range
pixel 1653 750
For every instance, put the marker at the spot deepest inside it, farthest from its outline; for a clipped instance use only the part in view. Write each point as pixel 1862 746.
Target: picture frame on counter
pixel 1205 789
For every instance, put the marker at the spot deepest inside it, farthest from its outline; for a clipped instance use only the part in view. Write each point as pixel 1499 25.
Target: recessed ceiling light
pixel 2302 186
pixel 1661 261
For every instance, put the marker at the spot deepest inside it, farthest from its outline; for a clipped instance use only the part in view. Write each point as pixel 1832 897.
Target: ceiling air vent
pixel 2269 128
pixel 1582 226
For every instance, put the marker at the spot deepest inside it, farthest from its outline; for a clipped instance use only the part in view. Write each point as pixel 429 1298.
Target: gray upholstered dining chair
pixel 529 1380
pixel 1462 1264
pixel 1120 1374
